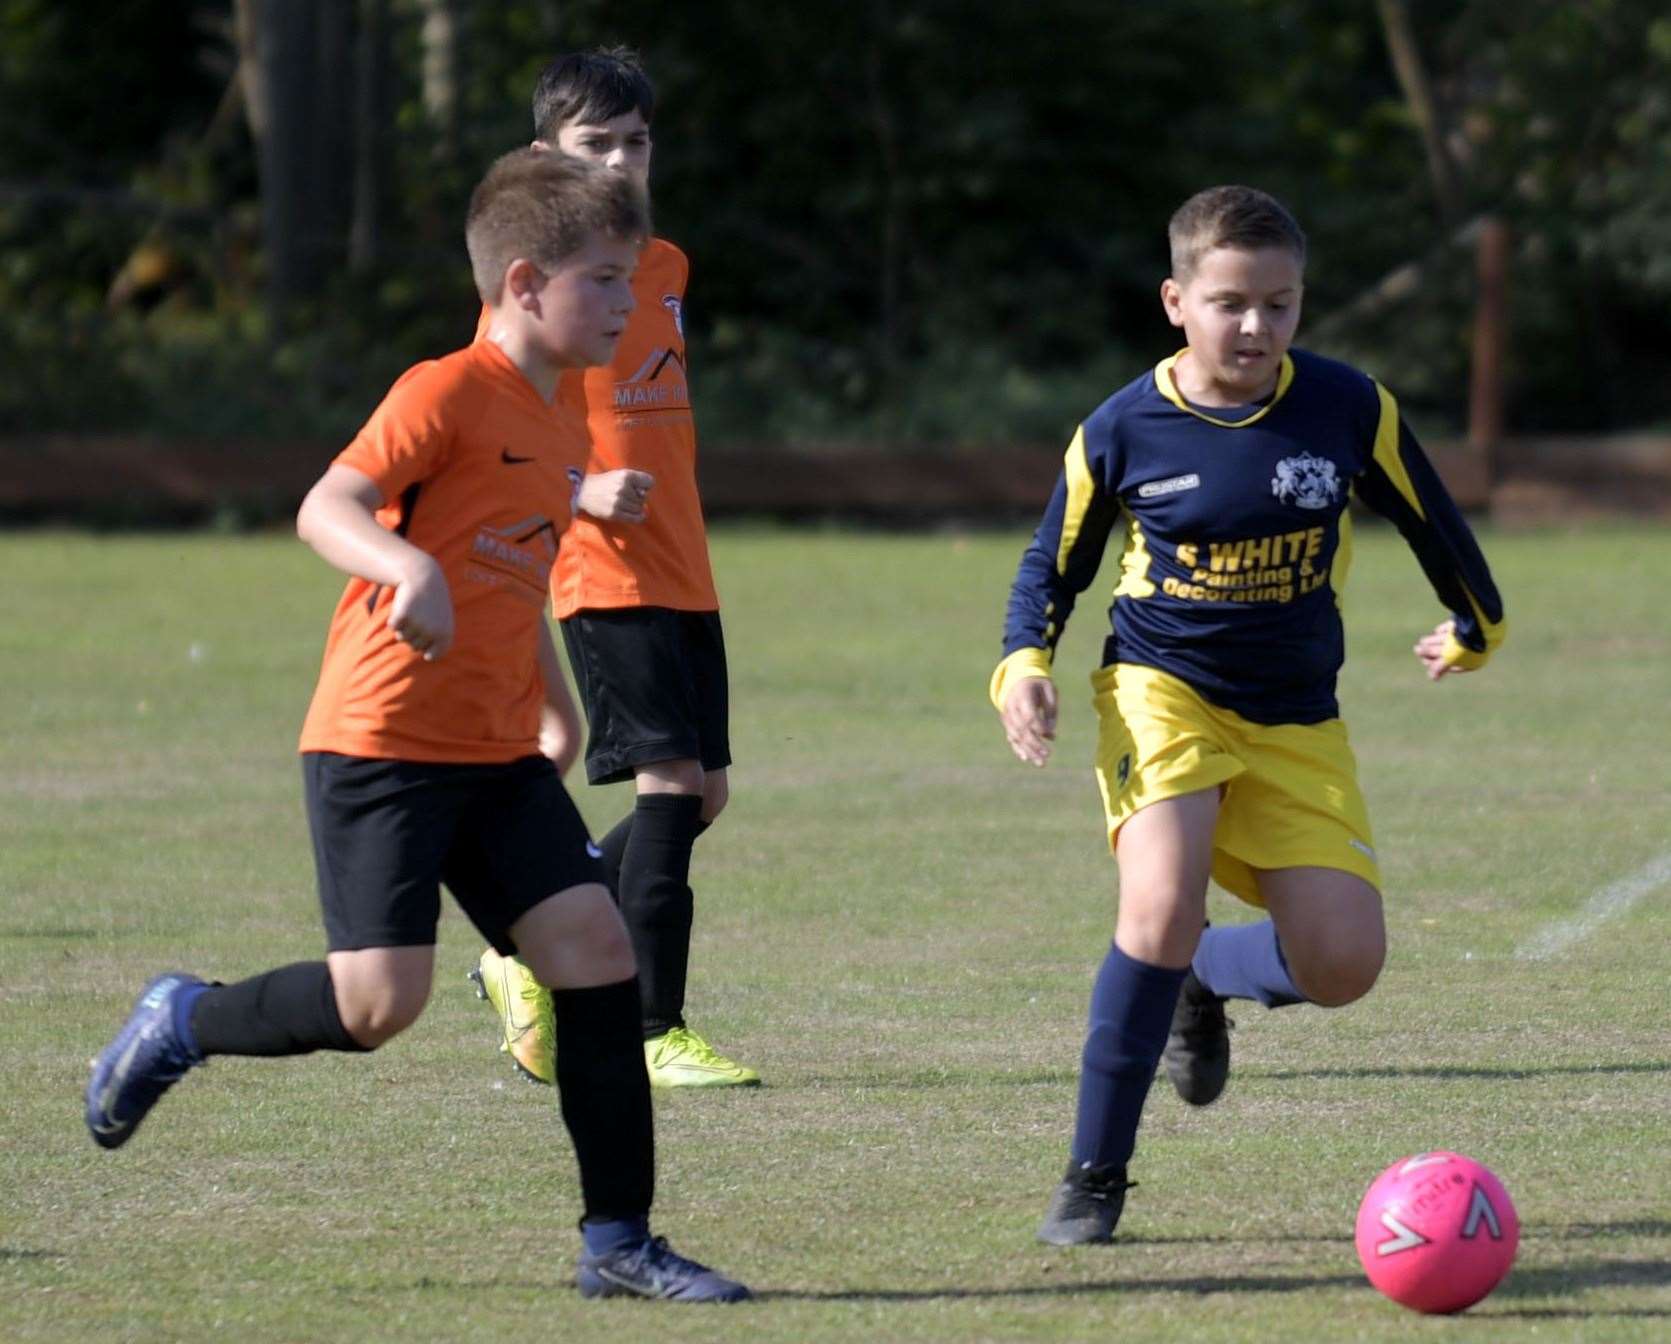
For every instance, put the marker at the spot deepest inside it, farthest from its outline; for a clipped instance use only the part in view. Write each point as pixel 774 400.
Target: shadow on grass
pixel 1554 1281
pixel 1464 1071
pixel 1564 1280
pixel 1628 1227
pixel 48 935
pixel 1199 1285
pixel 9 1253
pixel 1061 1077
pixel 1576 1314
pixel 1542 1281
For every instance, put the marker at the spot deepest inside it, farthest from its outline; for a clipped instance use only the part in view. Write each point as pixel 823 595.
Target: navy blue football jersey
pixel 1236 536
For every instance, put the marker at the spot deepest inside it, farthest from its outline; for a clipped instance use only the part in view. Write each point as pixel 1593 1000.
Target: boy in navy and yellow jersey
pixel 420 751
pixel 1221 753
pixel 634 592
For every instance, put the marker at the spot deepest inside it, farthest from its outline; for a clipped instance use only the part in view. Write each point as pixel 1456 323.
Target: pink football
pixel 1437 1232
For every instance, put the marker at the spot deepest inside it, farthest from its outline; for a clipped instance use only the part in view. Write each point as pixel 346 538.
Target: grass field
pixel 898 924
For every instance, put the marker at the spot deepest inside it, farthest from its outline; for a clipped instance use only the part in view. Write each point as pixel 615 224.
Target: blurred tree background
pixel 910 221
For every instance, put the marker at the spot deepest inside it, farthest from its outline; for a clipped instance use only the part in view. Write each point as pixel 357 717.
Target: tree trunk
pixel 895 203
pixel 371 70
pixel 294 59
pixel 1424 107
pixel 443 75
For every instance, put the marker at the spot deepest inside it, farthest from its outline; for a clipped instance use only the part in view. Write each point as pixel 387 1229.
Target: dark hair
pixel 590 86
pixel 545 207
pixel 1240 217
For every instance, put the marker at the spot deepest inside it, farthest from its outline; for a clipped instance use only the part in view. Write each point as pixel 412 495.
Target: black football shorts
pixel 387 834
pixel 653 684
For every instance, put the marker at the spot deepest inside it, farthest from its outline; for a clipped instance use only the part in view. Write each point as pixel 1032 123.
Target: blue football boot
pixel 651 1268
pixel 149 1055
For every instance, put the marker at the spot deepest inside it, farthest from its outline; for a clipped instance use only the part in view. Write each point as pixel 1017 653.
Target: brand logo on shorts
pixel 1122 771
pixel 1362 848
pixel 1171 486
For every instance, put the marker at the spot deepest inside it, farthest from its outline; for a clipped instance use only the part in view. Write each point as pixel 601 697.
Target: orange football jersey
pixel 478 470
pixel 637 413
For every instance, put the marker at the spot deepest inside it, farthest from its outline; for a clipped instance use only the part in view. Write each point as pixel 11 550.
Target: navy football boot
pixel 651 1268
pixel 149 1055
pixel 1086 1206
pixel 1197 1054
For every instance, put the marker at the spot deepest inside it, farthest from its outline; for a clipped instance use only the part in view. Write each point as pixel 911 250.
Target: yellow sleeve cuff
pixel 1021 663
pixel 1458 654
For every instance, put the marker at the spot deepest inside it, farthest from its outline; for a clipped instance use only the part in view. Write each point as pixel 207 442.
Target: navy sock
pixel 185 1002
pixel 288 1011
pixel 603 1235
pixel 1131 1012
pixel 1245 961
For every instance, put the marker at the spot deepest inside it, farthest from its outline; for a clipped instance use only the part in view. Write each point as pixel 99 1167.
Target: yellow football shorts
pixel 1290 790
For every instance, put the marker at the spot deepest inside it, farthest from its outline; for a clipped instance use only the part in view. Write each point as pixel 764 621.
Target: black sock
pixel 614 847
pixel 604 1092
pixel 288 1011
pixel 656 902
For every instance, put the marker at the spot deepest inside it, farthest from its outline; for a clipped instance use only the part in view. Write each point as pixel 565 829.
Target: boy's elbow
pixel 308 518
pixel 304 519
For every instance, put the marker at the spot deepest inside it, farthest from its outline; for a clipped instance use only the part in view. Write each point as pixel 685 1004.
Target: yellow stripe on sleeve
pixel 1080 489
pixel 1387 454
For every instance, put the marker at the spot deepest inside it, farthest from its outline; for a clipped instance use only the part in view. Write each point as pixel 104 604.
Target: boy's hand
pixel 422 612
pixel 1029 716
pixel 615 496
pixel 1433 651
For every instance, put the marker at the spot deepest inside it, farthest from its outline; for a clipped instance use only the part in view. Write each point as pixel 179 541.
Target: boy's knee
pixel 684 775
pixel 373 1021
pixel 602 942
pixel 1159 933
pixel 1344 978
pixel 716 793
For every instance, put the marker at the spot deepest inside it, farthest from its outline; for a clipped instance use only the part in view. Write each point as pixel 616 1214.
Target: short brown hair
pixel 590 86
pixel 1240 217
pixel 544 206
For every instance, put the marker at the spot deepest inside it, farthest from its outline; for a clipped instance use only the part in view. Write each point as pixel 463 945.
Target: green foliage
pixel 877 203
pixel 89 89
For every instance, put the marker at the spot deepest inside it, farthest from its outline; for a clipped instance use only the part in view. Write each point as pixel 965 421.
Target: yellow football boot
pixel 681 1058
pixel 527 1023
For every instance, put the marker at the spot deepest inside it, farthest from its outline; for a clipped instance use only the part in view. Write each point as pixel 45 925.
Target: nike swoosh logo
pixel 506 457
pixel 107 1094
pixel 593 851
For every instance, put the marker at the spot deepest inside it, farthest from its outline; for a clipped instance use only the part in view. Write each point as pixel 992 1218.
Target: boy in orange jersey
pixel 420 757
pixel 635 594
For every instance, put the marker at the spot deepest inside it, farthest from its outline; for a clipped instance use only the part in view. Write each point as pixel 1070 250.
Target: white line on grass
pixel 1608 903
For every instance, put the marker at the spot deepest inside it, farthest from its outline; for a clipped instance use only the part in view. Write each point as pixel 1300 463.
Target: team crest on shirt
pixel 676 306
pixel 1311 482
